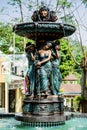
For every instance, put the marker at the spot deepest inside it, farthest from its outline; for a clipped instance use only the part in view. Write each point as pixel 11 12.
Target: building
pixel 11 86
pixel 70 88
pixel 2 85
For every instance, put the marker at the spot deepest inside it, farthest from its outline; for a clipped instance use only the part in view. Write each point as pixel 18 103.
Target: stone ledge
pixel 2 115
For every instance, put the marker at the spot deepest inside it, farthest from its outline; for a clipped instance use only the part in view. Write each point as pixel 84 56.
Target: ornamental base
pixel 42 111
pixel 41 121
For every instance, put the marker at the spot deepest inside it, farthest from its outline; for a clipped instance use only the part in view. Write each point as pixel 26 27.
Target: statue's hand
pixel 38 64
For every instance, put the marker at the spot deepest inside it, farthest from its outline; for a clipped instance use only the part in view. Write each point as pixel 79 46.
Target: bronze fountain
pixel 43 105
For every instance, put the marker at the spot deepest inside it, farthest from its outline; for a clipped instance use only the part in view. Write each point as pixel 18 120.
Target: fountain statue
pixel 43 105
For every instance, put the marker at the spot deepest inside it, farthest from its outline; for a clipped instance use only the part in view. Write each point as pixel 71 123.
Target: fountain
pixel 43 105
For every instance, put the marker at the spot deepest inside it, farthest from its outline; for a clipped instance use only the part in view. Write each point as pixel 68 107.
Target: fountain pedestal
pixel 49 111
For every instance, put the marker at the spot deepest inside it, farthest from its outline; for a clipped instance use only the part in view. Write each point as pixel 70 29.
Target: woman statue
pixel 43 70
pixel 30 76
pixel 56 75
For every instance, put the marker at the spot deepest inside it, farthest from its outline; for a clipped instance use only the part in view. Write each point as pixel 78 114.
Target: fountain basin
pixel 47 31
pixel 76 123
pixel 33 120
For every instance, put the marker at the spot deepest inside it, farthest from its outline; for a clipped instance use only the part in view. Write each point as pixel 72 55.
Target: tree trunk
pixel 21 12
pixel 84 85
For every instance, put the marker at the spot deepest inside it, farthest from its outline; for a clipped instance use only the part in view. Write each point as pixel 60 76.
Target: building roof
pixel 70 77
pixel 71 88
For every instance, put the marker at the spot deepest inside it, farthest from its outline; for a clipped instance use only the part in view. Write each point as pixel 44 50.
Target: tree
pixel 18 3
pixel 85 2
pixel 82 63
pixel 6 39
pixel 83 66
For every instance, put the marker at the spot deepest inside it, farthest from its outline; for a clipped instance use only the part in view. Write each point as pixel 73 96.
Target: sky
pixel 78 9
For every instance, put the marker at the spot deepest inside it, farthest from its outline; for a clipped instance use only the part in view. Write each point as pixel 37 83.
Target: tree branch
pixel 72 53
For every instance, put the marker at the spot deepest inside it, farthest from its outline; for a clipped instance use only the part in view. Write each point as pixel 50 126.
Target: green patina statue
pixel 56 75
pixel 43 64
pixel 30 76
pixel 43 69
pixel 43 105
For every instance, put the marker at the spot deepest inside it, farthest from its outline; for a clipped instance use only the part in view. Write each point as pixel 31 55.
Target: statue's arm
pixel 32 56
pixel 57 54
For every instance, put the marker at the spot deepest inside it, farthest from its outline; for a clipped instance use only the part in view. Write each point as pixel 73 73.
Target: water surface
pixel 73 124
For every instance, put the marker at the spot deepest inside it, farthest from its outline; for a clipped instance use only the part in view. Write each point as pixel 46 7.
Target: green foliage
pixel 5 32
pixel 64 3
pixel 2 9
pixel 77 101
pixel 6 39
pixel 78 56
pixel 5 35
pixel 85 2
pixel 78 98
pixel 14 2
pixel 67 63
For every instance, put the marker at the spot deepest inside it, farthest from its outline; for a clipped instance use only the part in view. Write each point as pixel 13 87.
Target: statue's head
pixel 57 42
pixel 44 11
pixel 29 47
pixel 47 45
pixel 56 45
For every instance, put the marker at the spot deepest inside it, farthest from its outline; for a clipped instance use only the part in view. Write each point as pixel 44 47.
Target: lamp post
pixel 11 50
